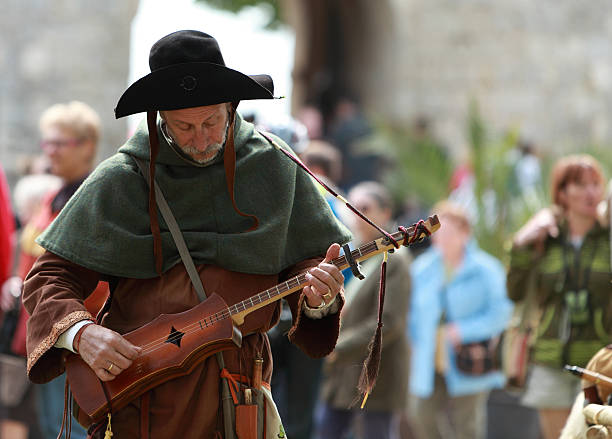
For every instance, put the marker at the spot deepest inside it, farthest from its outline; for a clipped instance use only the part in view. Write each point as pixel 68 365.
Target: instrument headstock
pixel 432 224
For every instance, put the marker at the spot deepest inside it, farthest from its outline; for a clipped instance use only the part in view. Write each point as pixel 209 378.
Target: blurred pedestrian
pixel 20 415
pixel 342 367
pixel 7 229
pixel 348 128
pixel 69 134
pixel 312 119
pixel 569 249
pixel 325 161
pixel 527 168
pixel 296 377
pixel 291 131
pixel 458 297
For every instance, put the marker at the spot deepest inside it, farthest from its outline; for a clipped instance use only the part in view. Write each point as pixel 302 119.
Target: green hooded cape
pixel 105 225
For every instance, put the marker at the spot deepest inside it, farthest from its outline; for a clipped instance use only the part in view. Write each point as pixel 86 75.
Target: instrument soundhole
pixel 175 337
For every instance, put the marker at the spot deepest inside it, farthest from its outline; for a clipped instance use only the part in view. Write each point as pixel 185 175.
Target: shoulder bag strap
pixel 179 241
pixel 528 311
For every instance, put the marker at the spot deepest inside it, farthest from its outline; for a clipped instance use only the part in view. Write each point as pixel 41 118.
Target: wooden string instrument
pixel 173 344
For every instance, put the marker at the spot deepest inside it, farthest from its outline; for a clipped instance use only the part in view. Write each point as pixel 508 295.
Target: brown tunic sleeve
pixel 317 338
pixel 53 295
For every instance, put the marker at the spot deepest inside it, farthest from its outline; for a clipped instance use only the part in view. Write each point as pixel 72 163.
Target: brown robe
pixel 185 407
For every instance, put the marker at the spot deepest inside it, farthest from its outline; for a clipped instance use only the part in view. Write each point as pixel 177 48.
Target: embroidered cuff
pixel 67 338
pixel 321 311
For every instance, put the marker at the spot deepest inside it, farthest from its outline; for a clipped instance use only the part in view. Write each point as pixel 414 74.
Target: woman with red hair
pixel 566 251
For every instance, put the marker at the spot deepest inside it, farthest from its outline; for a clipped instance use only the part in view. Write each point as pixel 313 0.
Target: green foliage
pixel 501 207
pixel 419 168
pixel 237 5
pixel 603 154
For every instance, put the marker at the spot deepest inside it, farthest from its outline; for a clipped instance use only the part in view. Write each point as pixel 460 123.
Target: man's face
pixel 198 131
pixel 69 156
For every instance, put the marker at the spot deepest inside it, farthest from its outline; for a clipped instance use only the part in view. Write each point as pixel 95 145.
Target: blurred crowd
pixel 447 301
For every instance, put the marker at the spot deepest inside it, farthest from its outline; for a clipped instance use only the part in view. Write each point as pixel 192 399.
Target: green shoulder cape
pixel 105 225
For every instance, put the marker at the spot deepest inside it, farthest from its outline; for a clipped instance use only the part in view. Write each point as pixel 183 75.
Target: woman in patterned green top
pixel 569 249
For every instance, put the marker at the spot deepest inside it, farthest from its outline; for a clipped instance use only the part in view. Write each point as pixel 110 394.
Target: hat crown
pixel 185 46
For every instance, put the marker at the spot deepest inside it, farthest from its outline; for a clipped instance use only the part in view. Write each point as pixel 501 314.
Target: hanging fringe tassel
pixel 369 372
pixel 108 434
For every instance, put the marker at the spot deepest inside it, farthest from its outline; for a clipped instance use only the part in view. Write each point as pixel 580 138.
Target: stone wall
pixel 544 67
pixel 56 51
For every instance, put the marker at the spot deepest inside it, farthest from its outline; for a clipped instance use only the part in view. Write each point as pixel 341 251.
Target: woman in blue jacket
pixel 458 297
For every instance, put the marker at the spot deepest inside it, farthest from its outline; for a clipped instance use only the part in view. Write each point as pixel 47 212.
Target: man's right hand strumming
pixel 106 351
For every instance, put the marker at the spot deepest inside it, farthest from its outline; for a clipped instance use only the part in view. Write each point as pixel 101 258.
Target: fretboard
pixel 241 309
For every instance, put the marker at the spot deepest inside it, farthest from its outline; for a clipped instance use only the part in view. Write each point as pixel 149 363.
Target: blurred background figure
pixel 569 249
pixel 7 235
pixel 358 321
pixel 296 377
pixel 325 161
pixel 7 230
pixel 527 169
pixel 312 119
pixel 290 130
pixel 20 416
pixel 458 297
pixel 347 129
pixel 69 137
pixel 29 193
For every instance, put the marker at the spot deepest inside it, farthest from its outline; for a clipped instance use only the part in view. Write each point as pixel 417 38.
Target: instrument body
pixel 168 356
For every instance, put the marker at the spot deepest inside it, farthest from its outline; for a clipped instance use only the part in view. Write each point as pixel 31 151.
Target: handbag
pixel 476 358
pixel 14 381
pixel 518 338
pixel 479 358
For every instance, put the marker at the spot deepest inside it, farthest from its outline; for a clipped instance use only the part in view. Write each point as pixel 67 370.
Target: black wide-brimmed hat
pixel 187 70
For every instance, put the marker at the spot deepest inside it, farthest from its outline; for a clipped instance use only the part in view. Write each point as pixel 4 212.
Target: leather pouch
pixel 246 421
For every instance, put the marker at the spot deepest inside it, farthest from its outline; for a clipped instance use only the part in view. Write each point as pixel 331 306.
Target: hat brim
pixel 193 84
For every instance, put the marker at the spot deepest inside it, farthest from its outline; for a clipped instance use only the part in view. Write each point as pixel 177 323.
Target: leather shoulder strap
pixel 179 241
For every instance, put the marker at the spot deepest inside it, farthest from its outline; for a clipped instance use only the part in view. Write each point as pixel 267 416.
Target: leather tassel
pixel 229 163
pixel 153 150
pixel 369 372
pixel 108 434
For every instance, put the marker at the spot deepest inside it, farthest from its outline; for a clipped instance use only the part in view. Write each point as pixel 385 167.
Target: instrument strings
pixel 263 296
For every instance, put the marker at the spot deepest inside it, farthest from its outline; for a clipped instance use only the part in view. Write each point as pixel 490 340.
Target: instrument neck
pixel 239 310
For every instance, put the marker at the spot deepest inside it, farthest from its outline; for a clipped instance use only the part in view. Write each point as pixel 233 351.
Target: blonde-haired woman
pixel 458 297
